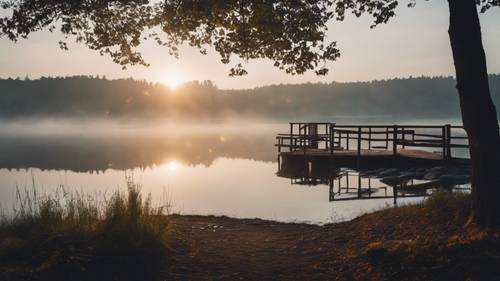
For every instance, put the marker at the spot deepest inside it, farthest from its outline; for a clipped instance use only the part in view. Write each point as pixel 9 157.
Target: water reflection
pixel 220 171
pixel 383 183
pixel 97 153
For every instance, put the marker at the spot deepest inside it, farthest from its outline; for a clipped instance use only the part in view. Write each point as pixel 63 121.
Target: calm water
pixel 222 170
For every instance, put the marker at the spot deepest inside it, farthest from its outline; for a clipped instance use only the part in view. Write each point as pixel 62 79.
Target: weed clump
pixel 74 236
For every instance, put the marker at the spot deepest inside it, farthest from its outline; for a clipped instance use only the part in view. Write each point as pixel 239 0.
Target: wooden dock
pixel 367 146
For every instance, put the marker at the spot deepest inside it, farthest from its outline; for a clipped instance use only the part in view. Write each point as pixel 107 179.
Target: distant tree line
pixel 96 97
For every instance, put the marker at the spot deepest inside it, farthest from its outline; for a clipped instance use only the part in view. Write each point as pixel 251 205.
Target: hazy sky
pixel 414 43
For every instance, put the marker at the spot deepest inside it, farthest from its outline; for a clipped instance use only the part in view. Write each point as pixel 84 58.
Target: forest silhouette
pixel 98 97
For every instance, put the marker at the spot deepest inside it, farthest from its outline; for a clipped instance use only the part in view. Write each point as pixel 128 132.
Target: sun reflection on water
pixel 172 166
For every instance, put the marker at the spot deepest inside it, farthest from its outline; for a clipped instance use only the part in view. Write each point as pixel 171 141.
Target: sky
pixel 414 43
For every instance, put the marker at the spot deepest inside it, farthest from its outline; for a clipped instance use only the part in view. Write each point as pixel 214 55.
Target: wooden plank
pixel 427 135
pixel 375 197
pixel 368 153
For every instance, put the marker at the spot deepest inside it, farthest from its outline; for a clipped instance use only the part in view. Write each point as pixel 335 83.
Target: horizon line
pixel 99 76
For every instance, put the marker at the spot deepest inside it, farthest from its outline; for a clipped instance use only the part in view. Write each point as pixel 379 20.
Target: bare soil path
pixel 408 243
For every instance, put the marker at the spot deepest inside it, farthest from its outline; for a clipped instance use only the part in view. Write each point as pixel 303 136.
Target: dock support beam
pixel 332 138
pixel 332 144
pixel 395 140
pixel 448 142
pixel 444 141
pixel 359 148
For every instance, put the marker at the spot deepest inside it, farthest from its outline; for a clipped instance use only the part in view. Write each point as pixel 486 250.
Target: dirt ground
pixel 410 243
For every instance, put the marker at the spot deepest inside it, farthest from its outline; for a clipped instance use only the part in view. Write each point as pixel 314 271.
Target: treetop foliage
pixel 291 33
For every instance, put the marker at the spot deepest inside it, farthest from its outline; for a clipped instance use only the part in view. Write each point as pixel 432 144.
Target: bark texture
pixel 478 111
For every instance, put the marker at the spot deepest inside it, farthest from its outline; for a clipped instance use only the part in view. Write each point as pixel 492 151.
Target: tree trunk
pixel 478 111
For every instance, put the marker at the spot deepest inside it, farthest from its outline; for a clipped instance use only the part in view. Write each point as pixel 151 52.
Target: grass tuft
pixel 75 236
pixel 449 207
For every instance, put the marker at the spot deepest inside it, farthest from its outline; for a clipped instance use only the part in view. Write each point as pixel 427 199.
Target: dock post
pixel 347 181
pixel 386 137
pixel 332 138
pixel 369 138
pixel 304 148
pixel 443 141
pixel 403 137
pixel 300 135
pixel 359 185
pixel 369 187
pixel 395 194
pixel 339 182
pixel 359 147
pixel 332 144
pixel 312 135
pixel 331 192
pixel 348 138
pixel 327 133
pixel 395 140
pixel 448 141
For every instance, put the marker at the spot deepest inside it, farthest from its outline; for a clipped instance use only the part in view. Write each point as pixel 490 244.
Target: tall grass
pixel 71 235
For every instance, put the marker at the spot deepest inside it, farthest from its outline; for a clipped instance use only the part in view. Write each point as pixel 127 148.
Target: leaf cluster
pixel 291 33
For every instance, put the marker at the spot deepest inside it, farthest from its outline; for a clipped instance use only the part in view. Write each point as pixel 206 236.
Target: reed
pixel 71 235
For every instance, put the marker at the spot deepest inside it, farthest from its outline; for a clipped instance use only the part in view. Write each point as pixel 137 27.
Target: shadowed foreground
pixel 130 241
pixel 75 236
pixel 419 242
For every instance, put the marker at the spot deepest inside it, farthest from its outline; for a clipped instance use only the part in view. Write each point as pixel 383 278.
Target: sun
pixel 173 82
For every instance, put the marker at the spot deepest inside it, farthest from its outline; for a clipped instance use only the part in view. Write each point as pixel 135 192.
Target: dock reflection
pixel 385 183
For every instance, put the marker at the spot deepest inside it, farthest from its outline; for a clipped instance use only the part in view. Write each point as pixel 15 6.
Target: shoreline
pixel 391 244
pixel 423 241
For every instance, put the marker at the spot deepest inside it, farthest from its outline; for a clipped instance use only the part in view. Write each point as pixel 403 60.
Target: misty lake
pixel 228 169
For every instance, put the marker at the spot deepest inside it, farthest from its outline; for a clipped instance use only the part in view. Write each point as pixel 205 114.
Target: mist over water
pixel 211 168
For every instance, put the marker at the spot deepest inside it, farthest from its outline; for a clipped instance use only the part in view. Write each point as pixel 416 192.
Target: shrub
pixel 75 236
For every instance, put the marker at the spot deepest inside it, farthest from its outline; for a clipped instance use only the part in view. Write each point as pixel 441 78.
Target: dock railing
pixel 331 137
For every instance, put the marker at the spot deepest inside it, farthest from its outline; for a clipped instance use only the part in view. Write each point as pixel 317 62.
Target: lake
pixel 228 169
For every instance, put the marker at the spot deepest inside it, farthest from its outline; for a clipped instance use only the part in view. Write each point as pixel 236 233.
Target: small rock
pixel 437 169
pixel 388 172
pixel 407 176
pixel 391 181
pixel 419 175
pixel 453 179
pixel 431 176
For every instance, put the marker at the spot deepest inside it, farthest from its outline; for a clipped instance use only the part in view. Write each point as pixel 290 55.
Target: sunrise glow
pixel 172 82
pixel 172 166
